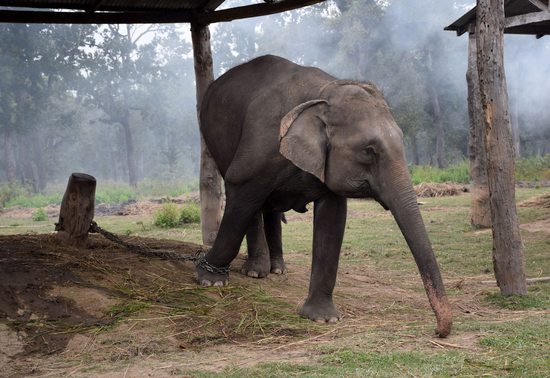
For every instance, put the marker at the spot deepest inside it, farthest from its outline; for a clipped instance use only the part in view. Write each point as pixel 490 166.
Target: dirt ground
pixel 103 311
pixel 76 312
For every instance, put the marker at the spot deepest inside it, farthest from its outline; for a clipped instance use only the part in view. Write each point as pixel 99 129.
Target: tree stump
pixel 77 210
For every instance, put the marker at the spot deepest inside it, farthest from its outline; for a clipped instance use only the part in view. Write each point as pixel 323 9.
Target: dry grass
pixel 439 189
pixel 540 202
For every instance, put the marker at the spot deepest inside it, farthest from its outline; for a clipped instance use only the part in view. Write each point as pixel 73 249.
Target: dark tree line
pixel 118 101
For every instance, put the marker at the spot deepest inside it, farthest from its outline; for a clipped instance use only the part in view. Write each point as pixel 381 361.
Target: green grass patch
pixel 538 297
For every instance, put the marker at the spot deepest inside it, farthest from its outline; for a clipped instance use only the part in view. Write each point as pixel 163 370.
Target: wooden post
pixel 77 210
pixel 210 179
pixel 479 189
pixel 507 246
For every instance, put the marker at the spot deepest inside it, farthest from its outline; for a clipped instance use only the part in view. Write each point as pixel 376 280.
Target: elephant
pixel 285 135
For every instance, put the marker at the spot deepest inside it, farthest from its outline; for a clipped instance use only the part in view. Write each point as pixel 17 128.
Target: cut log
pixel 77 210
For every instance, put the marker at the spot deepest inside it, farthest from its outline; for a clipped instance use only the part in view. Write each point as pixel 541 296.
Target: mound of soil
pixel 49 293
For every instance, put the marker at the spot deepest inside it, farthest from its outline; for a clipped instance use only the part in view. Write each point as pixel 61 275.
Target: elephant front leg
pixel 328 231
pixel 257 264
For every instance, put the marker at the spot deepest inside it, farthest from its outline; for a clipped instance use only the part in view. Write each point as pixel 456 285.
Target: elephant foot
pixel 278 266
pixel 256 268
pixel 320 311
pixel 206 278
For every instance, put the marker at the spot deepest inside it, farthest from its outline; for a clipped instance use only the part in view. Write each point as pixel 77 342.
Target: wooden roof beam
pixel 255 10
pixel 525 19
pixel 210 5
pixel 539 4
pixel 39 17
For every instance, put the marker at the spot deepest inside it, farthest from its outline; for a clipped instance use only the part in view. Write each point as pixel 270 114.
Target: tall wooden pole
pixel 210 179
pixel 507 246
pixel 480 216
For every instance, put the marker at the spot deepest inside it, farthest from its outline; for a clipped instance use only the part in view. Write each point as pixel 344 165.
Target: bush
pixel 39 215
pixel 190 213
pixel 168 216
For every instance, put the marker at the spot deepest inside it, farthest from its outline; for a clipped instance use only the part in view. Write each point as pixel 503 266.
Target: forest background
pixel 118 101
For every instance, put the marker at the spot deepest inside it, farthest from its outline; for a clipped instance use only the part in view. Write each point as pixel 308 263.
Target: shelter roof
pixel 137 11
pixel 522 17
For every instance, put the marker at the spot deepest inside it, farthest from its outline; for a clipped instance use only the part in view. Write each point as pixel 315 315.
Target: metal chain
pixel 198 258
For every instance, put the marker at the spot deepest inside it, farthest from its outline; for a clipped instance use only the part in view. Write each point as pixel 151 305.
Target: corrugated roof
pixel 522 17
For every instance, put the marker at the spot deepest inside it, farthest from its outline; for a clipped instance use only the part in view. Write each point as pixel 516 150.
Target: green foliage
pixel 190 213
pixel 458 173
pixel 35 200
pixel 168 216
pixel 8 192
pixel 39 215
pixel 534 168
pixel 170 188
pixel 113 194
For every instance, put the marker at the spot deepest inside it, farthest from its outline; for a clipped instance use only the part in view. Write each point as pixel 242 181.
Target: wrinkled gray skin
pixel 283 136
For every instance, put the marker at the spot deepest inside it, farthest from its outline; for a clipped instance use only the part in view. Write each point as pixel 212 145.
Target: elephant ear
pixel 303 138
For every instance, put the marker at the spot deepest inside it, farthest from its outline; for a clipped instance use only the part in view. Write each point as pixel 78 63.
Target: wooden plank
pixel 211 197
pixel 528 18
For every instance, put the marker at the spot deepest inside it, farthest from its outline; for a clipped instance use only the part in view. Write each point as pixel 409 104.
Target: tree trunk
pixel 130 154
pixel 438 120
pixel 479 189
pixel 77 210
pixel 210 179
pixel 9 155
pixel 507 246
pixel 515 124
pixel 414 148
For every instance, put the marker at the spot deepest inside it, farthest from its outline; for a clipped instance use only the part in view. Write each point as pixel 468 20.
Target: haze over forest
pixel 118 102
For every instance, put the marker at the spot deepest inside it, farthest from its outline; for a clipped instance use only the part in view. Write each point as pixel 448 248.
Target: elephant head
pixel 349 140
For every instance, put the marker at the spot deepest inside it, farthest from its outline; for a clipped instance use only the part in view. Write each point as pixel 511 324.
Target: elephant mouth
pixel 361 188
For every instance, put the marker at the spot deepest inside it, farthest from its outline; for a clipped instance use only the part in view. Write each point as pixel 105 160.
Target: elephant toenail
pixel 218 283
pixel 206 283
pixel 252 273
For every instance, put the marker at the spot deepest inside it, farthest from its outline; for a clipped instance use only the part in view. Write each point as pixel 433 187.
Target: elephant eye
pixel 370 154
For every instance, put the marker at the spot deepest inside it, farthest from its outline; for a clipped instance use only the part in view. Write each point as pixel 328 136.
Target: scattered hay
pixel 540 202
pixel 439 190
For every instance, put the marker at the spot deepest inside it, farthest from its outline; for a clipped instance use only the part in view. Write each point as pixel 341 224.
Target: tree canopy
pixel 118 101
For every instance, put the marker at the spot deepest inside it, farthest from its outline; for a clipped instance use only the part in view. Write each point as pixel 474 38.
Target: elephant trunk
pixel 402 202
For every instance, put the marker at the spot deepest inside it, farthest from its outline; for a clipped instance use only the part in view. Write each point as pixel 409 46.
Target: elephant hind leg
pixel 257 264
pixel 273 232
